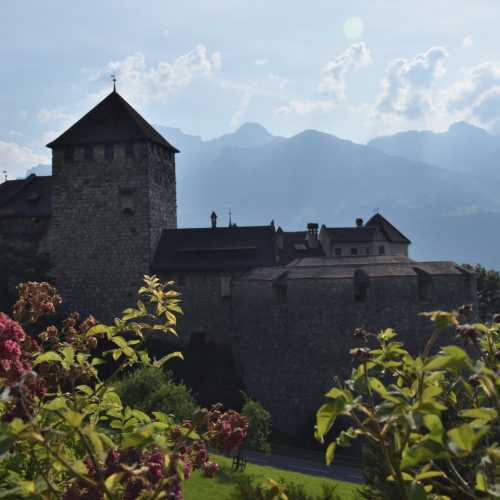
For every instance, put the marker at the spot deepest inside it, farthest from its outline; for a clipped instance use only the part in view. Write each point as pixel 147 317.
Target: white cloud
pixel 165 33
pixel 333 74
pixel 15 133
pixel 476 96
pixel 16 159
pixel 261 62
pixel 467 41
pixel 142 82
pixel 409 83
pixel 304 107
pixel 51 115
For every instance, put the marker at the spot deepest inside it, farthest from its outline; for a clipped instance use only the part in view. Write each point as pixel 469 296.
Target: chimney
pixel 359 222
pixel 214 220
pixel 312 234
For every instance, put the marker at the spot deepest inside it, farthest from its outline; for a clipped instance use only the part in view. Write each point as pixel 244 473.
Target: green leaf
pixel 168 357
pixel 422 452
pixel 330 453
pixel 486 414
pixel 97 329
pixel 73 418
pixel 463 439
pixel 429 475
pixel 481 482
pixel 113 480
pixel 325 417
pixel 56 404
pixel 47 357
pixel 452 357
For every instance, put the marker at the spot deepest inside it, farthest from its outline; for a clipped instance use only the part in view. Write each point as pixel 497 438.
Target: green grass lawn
pixel 221 486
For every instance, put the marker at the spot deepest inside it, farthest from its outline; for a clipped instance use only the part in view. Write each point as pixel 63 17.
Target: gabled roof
pixel 205 249
pixel 112 120
pixel 389 231
pixel 30 197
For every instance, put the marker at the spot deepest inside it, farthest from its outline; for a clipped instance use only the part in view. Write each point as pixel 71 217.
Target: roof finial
pixel 4 172
pixel 230 225
pixel 113 78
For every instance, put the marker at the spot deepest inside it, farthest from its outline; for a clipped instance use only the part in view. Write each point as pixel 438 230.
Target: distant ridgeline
pixel 283 303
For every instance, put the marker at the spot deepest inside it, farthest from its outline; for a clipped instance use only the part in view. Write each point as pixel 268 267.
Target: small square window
pixel 338 252
pixel 367 250
pixel 381 250
pixel 88 153
pixel 108 151
pixel 354 251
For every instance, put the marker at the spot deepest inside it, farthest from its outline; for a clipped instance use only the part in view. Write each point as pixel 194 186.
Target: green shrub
pixel 431 422
pixel 246 489
pixel 152 389
pixel 260 425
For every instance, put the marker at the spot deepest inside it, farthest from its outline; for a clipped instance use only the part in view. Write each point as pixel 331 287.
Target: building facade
pixel 284 304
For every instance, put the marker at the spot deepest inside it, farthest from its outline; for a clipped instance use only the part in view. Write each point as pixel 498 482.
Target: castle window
pixel 338 252
pixel 367 250
pixel 69 154
pixel 129 150
pixel 88 153
pixel 381 250
pixel 354 251
pixel 361 283
pixel 108 151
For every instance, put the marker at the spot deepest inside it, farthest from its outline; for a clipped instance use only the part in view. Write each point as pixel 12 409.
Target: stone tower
pixel 113 192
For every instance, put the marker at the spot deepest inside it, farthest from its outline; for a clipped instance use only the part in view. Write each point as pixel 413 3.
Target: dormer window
pixel 69 153
pixel 381 250
pixel 354 251
pixel 338 252
pixel 108 151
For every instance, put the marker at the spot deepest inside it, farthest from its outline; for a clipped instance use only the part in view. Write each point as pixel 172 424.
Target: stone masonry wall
pixel 107 216
pixel 291 352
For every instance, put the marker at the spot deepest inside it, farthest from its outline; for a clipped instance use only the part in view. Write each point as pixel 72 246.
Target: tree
pixel 488 291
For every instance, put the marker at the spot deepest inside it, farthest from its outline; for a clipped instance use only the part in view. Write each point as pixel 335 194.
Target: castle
pixel 285 303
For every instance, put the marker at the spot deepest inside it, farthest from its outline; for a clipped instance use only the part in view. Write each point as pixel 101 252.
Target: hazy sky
pixel 352 68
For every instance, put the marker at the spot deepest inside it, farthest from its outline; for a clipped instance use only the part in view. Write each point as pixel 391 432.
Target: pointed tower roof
pixel 390 232
pixel 112 120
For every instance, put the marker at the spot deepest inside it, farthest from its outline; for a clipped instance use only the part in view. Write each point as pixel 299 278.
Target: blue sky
pixel 356 69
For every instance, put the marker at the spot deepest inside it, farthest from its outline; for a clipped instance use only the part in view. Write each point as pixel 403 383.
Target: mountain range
pixel 440 189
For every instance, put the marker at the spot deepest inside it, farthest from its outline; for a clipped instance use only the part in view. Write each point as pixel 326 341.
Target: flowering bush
pixel 64 432
pixel 431 422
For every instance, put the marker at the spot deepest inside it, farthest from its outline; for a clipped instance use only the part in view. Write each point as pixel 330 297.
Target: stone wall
pixel 290 352
pixel 107 215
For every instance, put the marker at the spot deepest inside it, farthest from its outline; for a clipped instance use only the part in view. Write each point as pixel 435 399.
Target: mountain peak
pixel 465 128
pixel 252 129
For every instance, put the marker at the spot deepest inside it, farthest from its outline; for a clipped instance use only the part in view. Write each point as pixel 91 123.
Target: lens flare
pixel 354 27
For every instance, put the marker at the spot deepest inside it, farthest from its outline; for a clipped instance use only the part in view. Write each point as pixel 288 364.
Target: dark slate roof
pixel 205 249
pixel 30 197
pixel 295 246
pixel 389 231
pixel 351 234
pixel 336 268
pixel 112 120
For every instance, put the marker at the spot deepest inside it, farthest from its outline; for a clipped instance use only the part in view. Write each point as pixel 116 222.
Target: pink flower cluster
pixel 12 366
pixel 226 429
